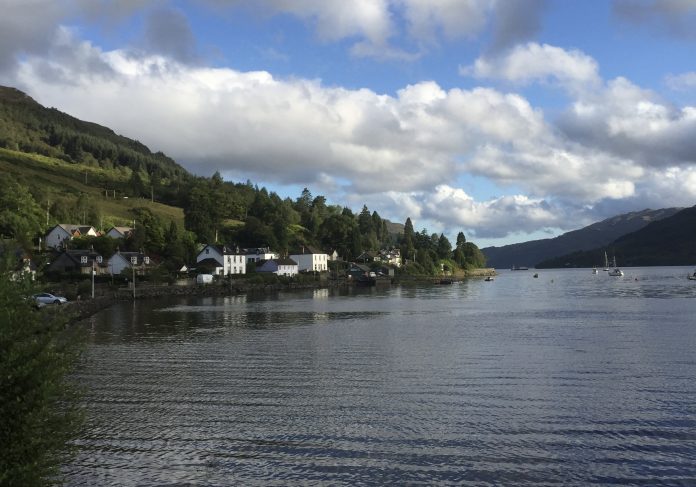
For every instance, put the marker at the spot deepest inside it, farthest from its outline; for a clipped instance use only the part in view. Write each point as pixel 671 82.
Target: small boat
pixel 535 275
pixel 616 272
pixel 692 277
pixel 520 268
pixel 489 278
pixel 594 270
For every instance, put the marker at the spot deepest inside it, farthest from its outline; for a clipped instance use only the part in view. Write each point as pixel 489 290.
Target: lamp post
pixel 93 273
pixel 133 267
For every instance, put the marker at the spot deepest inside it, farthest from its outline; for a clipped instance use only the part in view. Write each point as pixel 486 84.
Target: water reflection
pixel 559 380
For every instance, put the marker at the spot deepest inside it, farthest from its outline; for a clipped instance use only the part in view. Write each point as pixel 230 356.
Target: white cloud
pixel 404 151
pixel 630 122
pixel 455 18
pixel 449 209
pixel 682 82
pixel 534 62
pixel 376 24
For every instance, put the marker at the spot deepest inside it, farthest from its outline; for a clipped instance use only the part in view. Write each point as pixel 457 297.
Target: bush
pixel 38 404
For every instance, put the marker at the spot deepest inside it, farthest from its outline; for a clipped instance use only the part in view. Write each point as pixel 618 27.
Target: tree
pixel 461 240
pixel 304 202
pixel 136 184
pixel 365 221
pixel 20 215
pixel 407 241
pixel 444 248
pixel 337 232
pixel 200 213
pixel 39 412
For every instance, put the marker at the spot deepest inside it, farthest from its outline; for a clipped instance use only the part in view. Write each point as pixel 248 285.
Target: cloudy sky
pixel 508 119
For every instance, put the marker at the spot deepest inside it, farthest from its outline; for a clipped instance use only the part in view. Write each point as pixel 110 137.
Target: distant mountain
pixel 668 241
pixel 594 236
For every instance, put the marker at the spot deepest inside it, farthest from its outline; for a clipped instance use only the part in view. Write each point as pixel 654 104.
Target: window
pixel 99 259
pixel 147 260
pixel 83 259
pixel 134 260
pixel 207 251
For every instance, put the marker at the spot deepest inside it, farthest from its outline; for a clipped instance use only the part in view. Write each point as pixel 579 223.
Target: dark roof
pixel 224 249
pixel 209 262
pixel 363 268
pixel 285 262
pixel 257 250
pixel 306 250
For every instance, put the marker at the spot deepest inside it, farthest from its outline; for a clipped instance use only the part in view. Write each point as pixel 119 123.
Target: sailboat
pixel 692 277
pixel 606 262
pixel 616 272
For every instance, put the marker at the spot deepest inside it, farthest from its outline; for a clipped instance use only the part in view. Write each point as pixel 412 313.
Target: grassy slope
pixel 55 179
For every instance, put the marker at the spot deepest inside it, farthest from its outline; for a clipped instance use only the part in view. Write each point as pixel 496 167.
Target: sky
pixel 509 120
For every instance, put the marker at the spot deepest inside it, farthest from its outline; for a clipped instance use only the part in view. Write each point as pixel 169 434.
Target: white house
pixel 119 232
pixel 392 257
pixel 64 232
pixel 259 254
pixel 127 260
pixel 281 267
pixel 310 259
pixel 222 259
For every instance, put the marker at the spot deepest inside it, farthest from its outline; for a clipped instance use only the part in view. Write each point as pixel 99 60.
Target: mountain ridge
pixel 593 236
pixel 668 241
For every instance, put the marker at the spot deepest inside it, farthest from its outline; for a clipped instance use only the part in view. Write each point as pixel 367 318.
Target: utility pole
pixel 133 266
pixel 93 273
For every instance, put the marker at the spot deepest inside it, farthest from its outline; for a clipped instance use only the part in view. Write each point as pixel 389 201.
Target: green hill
pixel 670 241
pixel 71 166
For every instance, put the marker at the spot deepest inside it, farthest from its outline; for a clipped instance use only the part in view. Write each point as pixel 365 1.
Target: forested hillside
pixel 670 241
pixel 58 169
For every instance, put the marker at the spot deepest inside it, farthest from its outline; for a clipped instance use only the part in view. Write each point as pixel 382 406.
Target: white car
pixel 43 299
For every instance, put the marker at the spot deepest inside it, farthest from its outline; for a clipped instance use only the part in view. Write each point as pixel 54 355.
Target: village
pixel 213 262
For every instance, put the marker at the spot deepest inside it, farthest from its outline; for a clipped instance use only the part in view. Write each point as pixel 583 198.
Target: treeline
pixel 253 217
pixel 239 214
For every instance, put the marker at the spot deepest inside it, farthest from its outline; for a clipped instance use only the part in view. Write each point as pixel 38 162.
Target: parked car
pixel 43 299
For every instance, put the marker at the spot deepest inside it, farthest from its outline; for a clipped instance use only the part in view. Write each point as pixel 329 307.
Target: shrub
pixel 38 403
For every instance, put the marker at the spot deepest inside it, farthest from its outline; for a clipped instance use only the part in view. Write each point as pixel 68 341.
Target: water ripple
pixel 504 383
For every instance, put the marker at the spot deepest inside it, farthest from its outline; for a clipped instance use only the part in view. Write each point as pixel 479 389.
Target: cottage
pixel 310 259
pixel 58 236
pixel 280 267
pixel 391 257
pixel 259 254
pixel 120 232
pixel 78 261
pixel 121 261
pixel 222 260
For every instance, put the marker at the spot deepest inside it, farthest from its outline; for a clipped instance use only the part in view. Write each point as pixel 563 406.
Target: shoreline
pixel 83 309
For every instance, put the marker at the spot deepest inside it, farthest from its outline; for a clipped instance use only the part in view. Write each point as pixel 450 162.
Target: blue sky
pixel 507 119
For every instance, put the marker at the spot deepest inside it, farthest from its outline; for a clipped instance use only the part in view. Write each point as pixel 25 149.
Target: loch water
pixel 566 379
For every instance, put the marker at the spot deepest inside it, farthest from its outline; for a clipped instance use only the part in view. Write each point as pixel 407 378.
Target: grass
pixel 54 180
